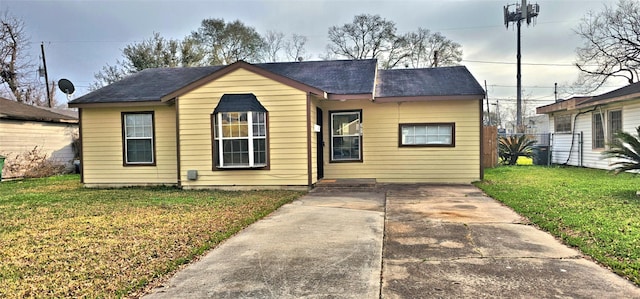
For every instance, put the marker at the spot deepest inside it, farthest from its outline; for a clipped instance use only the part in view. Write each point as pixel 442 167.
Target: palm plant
pixel 512 147
pixel 626 150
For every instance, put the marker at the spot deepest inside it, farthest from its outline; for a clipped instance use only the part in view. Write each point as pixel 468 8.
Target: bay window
pixel 240 132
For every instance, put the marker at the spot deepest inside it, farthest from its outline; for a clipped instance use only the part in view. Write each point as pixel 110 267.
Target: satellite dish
pixel 66 86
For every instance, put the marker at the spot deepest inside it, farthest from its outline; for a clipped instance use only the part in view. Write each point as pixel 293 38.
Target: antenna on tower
pixel 523 12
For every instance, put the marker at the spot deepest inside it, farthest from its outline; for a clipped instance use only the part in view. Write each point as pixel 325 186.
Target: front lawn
pixel 590 209
pixel 58 239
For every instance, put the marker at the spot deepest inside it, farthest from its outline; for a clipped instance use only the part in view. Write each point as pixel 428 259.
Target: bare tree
pixel 368 36
pixel 374 37
pixel 14 45
pixel 611 46
pixel 295 48
pixel 273 44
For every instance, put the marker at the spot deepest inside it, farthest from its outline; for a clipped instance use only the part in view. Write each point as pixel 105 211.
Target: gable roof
pixel 337 79
pixel 14 110
pixel 428 82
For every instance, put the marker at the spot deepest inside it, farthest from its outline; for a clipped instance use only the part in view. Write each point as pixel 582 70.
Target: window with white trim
pixel 138 135
pixel 562 123
pixel 614 124
pixel 240 139
pixel 346 136
pixel 597 126
pixel 427 134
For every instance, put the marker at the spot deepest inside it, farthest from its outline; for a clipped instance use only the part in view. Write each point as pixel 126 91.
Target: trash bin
pixel 1 166
pixel 541 155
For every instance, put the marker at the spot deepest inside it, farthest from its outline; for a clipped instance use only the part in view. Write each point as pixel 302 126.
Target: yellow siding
pixel 384 160
pixel 102 148
pixel 287 133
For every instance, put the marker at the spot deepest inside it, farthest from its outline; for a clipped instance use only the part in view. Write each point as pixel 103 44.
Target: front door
pixel 320 149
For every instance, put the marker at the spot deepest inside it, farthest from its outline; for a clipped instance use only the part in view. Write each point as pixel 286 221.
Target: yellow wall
pixel 384 160
pixel 102 148
pixel 287 133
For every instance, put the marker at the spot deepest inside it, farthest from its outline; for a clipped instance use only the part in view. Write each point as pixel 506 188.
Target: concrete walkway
pixel 432 242
pixel 320 246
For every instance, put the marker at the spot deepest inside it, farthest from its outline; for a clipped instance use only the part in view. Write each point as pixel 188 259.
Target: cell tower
pixel 523 12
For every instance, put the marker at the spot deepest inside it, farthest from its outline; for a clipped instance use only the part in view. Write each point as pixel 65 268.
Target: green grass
pixel 58 239
pixel 593 210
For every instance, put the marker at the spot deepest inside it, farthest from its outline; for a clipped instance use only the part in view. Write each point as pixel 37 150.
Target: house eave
pixel 121 104
pixel 595 102
pixel 428 98
pixel 247 66
pixel 342 97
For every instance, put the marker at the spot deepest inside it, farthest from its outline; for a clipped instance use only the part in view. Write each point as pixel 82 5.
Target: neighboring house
pixel 282 125
pixel 534 125
pixel 582 127
pixel 24 127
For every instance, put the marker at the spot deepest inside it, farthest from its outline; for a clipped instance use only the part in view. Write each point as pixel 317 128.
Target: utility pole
pixel 522 12
pixel 486 97
pixel 46 75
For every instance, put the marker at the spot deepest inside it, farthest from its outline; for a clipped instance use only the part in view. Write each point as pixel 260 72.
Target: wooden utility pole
pixel 46 75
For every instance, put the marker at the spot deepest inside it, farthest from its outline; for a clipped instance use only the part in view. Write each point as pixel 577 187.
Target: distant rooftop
pixel 10 109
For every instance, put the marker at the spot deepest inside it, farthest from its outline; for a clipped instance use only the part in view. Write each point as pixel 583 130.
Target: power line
pixel 523 63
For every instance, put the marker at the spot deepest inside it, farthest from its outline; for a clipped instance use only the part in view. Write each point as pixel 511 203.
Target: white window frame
pixel 357 134
pixel 610 131
pixel 218 136
pixel 126 138
pixel 403 137
pixel 555 123
pixel 600 117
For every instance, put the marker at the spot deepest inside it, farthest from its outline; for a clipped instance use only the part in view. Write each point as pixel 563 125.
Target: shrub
pixel 512 147
pixel 32 164
pixel 626 148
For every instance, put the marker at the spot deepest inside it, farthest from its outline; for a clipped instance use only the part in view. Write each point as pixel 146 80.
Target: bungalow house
pixel 24 127
pixel 582 127
pixel 282 125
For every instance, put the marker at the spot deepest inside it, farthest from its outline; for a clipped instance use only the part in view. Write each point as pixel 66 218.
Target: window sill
pixel 256 167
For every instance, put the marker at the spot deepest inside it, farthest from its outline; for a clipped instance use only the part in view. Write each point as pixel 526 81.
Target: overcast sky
pixel 82 36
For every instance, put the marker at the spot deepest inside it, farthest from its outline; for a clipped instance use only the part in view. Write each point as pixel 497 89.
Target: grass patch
pixel 58 239
pixel 591 209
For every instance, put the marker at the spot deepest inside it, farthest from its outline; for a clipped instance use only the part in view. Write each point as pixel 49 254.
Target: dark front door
pixel 320 150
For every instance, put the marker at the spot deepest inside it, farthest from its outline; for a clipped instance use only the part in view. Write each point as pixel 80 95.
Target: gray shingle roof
pixel 343 77
pixel 147 85
pixel 336 76
pixel 441 81
pixel 13 110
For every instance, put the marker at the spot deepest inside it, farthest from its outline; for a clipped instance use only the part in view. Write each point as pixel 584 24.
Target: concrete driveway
pixel 394 241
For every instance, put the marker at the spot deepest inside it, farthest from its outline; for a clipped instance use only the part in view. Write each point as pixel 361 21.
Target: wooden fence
pixel 489 146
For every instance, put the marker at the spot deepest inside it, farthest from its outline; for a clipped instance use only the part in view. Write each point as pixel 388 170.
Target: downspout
pixel 481 142
pixel 80 117
pixel 309 155
pixel 573 135
pixel 178 161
